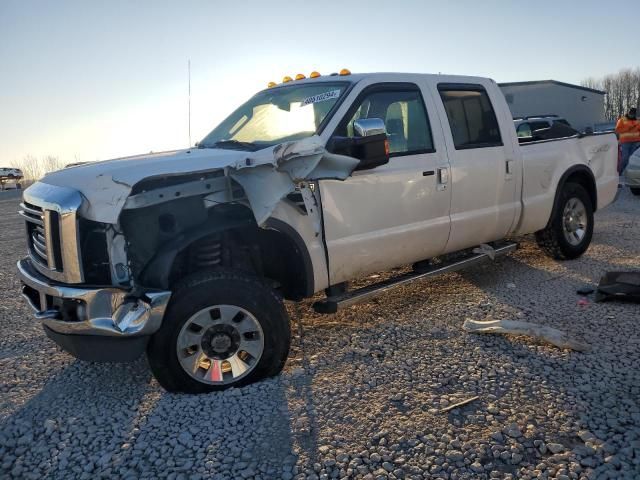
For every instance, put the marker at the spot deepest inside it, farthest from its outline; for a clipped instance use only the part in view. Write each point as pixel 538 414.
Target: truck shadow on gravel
pixel 82 411
pixel 114 420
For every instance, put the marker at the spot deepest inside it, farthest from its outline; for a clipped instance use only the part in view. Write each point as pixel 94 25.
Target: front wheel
pixel 635 191
pixel 569 232
pixel 222 329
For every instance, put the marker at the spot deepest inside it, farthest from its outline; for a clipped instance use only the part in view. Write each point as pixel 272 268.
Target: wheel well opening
pixel 267 253
pixel 581 177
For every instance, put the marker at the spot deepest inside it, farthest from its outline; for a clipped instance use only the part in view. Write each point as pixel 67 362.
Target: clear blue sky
pixel 94 80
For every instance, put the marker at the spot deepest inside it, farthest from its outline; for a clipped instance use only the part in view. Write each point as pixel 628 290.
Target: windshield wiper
pixel 234 144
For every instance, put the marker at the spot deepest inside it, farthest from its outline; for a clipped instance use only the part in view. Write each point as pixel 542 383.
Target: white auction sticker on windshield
pixel 321 97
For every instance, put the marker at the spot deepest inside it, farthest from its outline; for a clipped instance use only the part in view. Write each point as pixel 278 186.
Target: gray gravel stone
pixel 555 447
pixel 454 455
pixel 362 391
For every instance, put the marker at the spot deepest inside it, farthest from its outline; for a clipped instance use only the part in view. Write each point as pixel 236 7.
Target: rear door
pixel 484 199
pixel 396 213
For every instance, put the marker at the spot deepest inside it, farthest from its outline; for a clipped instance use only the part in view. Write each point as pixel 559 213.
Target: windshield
pixel 275 116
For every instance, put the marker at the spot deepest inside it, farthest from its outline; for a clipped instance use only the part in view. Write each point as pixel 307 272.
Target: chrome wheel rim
pixel 220 345
pixel 574 221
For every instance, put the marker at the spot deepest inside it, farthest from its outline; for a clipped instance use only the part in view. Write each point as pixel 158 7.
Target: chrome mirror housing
pixel 366 127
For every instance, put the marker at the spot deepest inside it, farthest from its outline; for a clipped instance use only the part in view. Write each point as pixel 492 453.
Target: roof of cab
pixel 385 77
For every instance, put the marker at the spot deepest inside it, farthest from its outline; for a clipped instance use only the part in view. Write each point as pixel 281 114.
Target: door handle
pixel 509 169
pixel 443 178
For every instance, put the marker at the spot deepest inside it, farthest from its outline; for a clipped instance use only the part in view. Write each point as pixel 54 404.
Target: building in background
pixel 583 107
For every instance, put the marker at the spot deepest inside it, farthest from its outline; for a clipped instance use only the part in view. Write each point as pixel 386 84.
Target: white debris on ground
pixel 364 393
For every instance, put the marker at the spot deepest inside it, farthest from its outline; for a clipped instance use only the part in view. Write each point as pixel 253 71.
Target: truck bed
pixel 546 161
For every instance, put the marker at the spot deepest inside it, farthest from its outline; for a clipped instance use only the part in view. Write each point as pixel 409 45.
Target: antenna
pixel 189 74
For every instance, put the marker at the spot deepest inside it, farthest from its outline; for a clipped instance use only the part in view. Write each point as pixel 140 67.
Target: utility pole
pixel 189 101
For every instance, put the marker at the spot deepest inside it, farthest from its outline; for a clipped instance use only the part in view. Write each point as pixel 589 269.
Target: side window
pixel 404 116
pixel 471 117
pixel 524 130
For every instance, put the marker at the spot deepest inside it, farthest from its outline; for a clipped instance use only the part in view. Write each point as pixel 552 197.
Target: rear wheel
pixel 569 232
pixel 222 329
pixel 635 190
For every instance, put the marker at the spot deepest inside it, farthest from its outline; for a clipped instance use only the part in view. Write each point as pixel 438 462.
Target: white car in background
pixel 632 173
pixel 9 178
pixel 604 127
pixel 13 173
pixel 527 127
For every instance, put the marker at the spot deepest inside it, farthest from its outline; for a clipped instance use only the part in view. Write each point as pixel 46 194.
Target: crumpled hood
pixel 266 175
pixel 130 170
pixel 107 184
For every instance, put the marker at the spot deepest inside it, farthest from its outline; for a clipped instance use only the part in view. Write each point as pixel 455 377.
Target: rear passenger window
pixel 471 117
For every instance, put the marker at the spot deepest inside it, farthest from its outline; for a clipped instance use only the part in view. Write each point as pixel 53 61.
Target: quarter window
pixel 471 117
pixel 404 116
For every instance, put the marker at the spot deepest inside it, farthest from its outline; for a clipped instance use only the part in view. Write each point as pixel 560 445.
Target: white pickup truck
pixel 188 255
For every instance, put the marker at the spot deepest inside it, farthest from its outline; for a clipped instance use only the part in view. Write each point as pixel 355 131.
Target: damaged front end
pixel 107 244
pixel 93 323
pixel 75 280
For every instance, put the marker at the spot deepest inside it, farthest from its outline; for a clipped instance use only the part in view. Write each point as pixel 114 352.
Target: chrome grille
pixel 38 241
pixel 32 213
pixel 52 231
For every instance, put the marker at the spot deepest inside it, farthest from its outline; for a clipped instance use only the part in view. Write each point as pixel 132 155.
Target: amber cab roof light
pixel 314 74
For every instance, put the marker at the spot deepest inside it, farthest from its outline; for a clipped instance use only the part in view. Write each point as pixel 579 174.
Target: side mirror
pixel 367 127
pixel 370 144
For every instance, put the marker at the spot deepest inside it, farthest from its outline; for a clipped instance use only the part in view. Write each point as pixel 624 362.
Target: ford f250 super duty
pixel 188 254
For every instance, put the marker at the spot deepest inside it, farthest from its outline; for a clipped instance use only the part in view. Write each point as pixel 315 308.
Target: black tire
pixel 220 287
pixel 635 191
pixel 552 239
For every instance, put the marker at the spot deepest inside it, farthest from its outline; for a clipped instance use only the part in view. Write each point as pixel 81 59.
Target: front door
pixel 396 213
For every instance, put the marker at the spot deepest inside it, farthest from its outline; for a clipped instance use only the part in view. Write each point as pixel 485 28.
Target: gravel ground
pixel 362 392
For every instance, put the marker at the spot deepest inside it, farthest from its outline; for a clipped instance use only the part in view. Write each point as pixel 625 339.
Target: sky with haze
pixel 91 80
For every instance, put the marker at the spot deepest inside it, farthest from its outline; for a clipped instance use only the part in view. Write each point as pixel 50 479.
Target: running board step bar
pixel 338 302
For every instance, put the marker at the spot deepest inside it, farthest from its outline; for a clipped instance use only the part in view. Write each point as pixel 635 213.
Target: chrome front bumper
pixel 108 313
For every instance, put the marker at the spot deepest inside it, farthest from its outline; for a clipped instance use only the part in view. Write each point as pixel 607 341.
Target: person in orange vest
pixel 628 130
